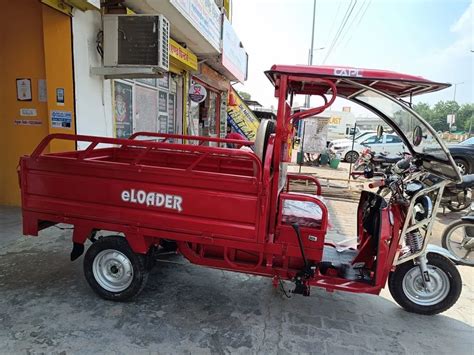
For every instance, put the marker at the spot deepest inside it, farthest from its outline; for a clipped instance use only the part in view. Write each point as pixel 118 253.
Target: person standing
pixel 234 135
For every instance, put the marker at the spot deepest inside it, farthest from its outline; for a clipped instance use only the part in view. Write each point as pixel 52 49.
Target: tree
pixel 424 110
pixel 244 95
pixel 465 117
pixel 438 114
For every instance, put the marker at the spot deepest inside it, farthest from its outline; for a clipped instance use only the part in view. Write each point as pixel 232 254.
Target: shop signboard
pixel 204 15
pixel 241 118
pixel 197 93
pixel 234 57
pixel 183 56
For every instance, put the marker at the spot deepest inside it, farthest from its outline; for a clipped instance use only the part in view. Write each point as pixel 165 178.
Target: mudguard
pixel 431 248
pixel 469 218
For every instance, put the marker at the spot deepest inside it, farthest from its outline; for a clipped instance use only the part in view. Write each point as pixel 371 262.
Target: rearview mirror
pixel 417 136
pixel 379 131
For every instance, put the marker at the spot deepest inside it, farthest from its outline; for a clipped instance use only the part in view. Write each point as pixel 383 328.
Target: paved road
pixel 47 306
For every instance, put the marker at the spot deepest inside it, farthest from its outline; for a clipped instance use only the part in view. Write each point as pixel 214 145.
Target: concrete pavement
pixel 47 306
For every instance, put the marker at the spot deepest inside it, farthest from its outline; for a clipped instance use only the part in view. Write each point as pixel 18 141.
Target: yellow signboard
pixel 240 117
pixel 182 57
pixel 335 120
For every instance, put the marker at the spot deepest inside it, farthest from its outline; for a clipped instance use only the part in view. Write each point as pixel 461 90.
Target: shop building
pixel 54 56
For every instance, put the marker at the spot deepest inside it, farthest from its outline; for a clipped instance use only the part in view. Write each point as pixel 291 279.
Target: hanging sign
pixel 240 117
pixel 197 93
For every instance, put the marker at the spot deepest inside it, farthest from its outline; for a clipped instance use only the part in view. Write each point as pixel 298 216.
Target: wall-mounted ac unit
pixel 136 41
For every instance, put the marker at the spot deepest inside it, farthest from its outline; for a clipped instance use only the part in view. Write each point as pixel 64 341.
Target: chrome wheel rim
pixel 461 167
pixel 352 157
pixel 112 270
pixel 416 292
pixel 460 244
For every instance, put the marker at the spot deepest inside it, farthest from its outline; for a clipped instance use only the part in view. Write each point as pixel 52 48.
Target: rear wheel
pixel 407 287
pixel 113 270
pixel 351 156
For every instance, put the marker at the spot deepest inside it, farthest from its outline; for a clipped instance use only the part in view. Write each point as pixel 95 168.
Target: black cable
pixel 300 242
pixel 282 288
pixel 64 228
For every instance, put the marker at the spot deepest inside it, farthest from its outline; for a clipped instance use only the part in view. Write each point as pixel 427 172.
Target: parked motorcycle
pixel 379 162
pixel 458 239
pixel 457 197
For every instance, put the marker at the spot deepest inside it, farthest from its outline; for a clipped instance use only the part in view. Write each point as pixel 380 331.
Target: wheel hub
pixel 426 294
pixel 112 270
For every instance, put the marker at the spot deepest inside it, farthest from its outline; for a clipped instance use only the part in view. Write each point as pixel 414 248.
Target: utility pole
pixel 455 85
pixel 310 59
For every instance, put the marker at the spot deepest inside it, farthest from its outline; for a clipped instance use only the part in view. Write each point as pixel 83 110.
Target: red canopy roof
pixel 301 80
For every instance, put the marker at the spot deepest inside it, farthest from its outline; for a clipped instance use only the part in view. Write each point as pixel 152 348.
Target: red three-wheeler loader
pixel 232 209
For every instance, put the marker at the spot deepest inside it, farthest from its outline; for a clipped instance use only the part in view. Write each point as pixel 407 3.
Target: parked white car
pixel 348 141
pixel 389 144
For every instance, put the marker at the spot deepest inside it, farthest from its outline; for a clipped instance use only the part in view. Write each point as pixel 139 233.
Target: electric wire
pixel 353 20
pixel 330 33
pixel 357 25
pixel 349 11
pixel 331 46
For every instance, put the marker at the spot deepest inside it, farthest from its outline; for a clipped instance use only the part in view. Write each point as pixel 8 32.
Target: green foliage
pixel 244 95
pixel 437 115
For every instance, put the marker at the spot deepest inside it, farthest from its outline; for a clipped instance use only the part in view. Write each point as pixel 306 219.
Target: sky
pixel 432 39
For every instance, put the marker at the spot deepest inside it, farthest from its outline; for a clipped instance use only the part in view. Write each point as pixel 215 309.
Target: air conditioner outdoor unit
pixel 136 41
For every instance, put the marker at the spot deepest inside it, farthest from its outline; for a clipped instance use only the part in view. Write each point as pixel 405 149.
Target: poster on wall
pixel 23 89
pixel 61 119
pixel 146 109
pixel 315 135
pixel 171 113
pixel 162 123
pixel 164 82
pixel 123 110
pixel 163 101
pixel 223 113
pixel 241 118
pixel 42 92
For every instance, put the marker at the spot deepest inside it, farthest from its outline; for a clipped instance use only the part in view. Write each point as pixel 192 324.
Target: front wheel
pixel 113 270
pixel 458 239
pixel 408 289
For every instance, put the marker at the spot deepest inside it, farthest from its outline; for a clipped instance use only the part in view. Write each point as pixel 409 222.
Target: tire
pixel 453 207
pixel 351 156
pixel 442 271
pixel 111 256
pixel 448 245
pixel 462 165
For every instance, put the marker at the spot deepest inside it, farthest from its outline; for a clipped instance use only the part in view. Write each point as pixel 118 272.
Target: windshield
pixel 468 141
pixel 406 122
pixel 434 156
